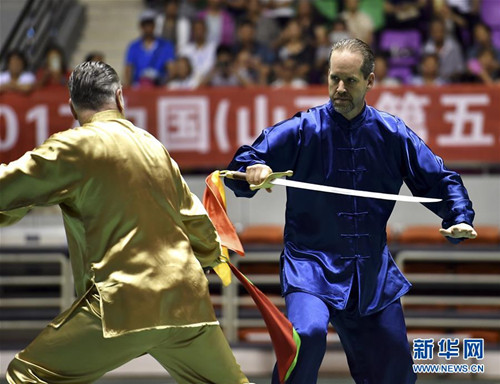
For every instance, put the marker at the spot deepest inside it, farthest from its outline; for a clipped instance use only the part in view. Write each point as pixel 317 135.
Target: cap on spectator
pixel 147 15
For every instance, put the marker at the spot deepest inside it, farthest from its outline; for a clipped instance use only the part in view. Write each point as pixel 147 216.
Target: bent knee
pixel 313 335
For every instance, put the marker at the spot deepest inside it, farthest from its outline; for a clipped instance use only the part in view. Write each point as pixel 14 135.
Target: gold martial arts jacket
pixel 134 229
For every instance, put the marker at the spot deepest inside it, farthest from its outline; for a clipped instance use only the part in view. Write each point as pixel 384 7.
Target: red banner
pixel 203 129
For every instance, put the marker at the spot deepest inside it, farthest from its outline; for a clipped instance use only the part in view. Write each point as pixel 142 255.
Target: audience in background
pixel 287 43
pixel 250 69
pixel 381 73
pixel 16 77
pixel 404 14
pixel 446 47
pixel 287 75
pixel 267 29
pixel 181 76
pixel 486 67
pixel 279 10
pixel 294 46
pixel 220 23
pixel 54 70
pixel 148 56
pixel 481 39
pixel 322 48
pixel 338 31
pixel 200 52
pixel 359 24
pixel 225 72
pixel 308 18
pixel 171 26
pixel 428 71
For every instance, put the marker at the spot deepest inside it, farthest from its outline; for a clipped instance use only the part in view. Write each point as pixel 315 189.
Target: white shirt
pixel 25 78
pixel 202 58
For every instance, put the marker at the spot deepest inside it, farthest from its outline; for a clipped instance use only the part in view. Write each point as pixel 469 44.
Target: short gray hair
pixel 92 85
pixel 359 46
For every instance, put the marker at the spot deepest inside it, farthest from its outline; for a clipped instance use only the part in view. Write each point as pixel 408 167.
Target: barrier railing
pixel 31 284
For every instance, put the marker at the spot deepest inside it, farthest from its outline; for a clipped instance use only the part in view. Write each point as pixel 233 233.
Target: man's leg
pixel 376 346
pixel 309 316
pixel 76 352
pixel 199 355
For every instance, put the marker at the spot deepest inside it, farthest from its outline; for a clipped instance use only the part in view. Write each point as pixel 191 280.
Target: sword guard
pixel 267 181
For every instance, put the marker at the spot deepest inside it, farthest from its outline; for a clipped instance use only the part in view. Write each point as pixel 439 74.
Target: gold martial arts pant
pixel 77 352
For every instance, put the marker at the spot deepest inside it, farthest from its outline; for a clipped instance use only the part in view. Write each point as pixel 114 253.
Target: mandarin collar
pixel 111 114
pixel 342 121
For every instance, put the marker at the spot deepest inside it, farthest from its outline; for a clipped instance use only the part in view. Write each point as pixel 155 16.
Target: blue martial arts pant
pixel 376 346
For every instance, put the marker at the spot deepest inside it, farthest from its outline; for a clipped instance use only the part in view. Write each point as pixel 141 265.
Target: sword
pixel 275 178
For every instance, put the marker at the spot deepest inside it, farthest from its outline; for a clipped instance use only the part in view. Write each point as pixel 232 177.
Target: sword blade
pixel 352 192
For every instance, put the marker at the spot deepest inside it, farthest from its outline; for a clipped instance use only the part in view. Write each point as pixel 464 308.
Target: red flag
pixel 285 339
pixel 214 200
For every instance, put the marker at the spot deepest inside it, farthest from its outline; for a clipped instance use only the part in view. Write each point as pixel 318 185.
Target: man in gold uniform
pixel 138 242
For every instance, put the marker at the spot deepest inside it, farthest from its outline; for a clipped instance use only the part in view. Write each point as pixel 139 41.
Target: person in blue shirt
pixel 148 56
pixel 336 267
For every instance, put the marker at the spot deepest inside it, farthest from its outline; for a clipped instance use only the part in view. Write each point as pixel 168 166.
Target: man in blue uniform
pixel 336 266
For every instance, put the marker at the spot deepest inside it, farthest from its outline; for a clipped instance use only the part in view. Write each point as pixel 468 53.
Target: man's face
pixel 148 28
pixel 15 65
pixel 347 86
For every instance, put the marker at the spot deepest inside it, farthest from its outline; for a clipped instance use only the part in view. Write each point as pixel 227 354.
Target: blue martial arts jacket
pixel 328 238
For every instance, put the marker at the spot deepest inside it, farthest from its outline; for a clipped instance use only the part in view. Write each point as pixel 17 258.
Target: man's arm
pixel 275 149
pixel 45 176
pixel 426 175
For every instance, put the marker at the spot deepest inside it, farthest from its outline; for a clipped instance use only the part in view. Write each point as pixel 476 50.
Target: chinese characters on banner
pixel 203 129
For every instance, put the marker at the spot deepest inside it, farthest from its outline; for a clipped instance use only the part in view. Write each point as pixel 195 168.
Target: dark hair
pixel 92 85
pixel 20 54
pixel 359 46
pixel 223 49
pixel 60 51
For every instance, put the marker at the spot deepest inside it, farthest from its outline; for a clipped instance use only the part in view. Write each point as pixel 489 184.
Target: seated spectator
pixel 148 56
pixel 171 26
pixel 16 77
pixel 54 70
pixel 200 52
pixel 428 71
pixel 95 56
pixel 481 39
pixel 448 50
pixel 381 73
pixel 486 66
pixel 220 23
pixel 404 14
pixel 287 75
pixel 224 73
pixel 182 76
pixel 267 29
pixel 294 46
pixel 359 24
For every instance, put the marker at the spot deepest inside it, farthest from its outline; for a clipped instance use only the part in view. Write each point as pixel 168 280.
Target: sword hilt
pixel 235 175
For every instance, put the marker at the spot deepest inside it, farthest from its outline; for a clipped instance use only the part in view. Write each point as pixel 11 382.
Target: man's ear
pixel 371 81
pixel 73 111
pixel 119 100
